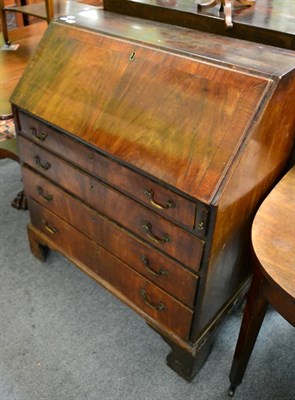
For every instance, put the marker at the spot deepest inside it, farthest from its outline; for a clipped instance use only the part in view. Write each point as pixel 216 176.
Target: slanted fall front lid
pixel 177 118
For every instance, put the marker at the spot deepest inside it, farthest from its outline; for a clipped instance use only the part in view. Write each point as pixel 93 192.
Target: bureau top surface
pixel 155 97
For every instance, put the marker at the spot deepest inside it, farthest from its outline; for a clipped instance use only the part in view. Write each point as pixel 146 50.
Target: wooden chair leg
pixel 49 10
pixel 4 28
pixel 252 319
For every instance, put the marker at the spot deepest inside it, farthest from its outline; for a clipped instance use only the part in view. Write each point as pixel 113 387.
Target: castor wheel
pixel 232 390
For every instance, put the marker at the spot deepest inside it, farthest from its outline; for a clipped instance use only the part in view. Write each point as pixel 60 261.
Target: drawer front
pixel 158 198
pixel 159 269
pixel 153 228
pixel 113 273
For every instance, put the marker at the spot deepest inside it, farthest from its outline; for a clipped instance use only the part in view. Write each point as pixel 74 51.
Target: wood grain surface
pixel 182 245
pixel 110 271
pixel 111 103
pixel 273 234
pixel 180 121
pixel 134 252
pixel 125 179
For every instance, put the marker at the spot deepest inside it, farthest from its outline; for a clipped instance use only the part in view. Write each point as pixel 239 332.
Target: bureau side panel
pixel 260 163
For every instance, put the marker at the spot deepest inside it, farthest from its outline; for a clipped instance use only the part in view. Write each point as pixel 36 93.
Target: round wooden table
pixel 273 240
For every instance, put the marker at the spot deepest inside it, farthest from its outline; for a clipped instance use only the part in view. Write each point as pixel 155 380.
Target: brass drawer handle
pixel 44 166
pixel 40 192
pixel 161 272
pixel 150 195
pixel 39 136
pixel 49 228
pixel 148 302
pixel 147 226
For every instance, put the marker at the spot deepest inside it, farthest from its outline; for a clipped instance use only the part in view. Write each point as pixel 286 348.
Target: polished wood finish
pixel 274 272
pixel 161 270
pixel 182 210
pixel 273 236
pixel 267 21
pixel 14 62
pixel 123 105
pixel 118 277
pixel 166 154
pixel 183 246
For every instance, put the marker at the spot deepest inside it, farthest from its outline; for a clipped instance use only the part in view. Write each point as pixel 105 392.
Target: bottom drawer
pixel 127 284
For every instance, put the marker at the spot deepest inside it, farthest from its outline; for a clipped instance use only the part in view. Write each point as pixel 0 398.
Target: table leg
pixel 252 319
pixel 4 27
pixel 225 7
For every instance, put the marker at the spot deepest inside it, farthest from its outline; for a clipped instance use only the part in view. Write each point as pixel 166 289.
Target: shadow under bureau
pixel 146 150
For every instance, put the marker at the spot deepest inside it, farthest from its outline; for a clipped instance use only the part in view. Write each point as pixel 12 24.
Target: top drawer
pixel 153 195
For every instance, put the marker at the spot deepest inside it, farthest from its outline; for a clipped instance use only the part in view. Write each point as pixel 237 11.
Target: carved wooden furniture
pixel 274 272
pixel 268 22
pixel 146 150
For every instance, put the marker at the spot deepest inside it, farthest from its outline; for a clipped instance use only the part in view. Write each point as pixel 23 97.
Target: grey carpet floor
pixel 63 337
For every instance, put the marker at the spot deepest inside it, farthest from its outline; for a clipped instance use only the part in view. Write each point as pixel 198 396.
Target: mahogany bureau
pixel 146 150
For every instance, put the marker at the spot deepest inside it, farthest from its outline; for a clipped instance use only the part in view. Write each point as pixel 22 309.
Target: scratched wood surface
pixel 268 21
